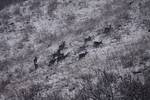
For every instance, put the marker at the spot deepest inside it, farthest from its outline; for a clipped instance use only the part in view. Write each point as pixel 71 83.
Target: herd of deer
pixel 59 56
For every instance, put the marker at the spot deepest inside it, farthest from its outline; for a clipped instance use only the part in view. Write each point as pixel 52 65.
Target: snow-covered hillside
pixel 75 50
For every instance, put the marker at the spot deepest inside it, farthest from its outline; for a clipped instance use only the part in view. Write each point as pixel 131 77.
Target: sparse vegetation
pixel 35 5
pixel 51 7
pixel 75 50
pixel 5 3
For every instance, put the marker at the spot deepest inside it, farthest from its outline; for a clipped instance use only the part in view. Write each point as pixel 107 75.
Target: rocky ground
pixel 75 50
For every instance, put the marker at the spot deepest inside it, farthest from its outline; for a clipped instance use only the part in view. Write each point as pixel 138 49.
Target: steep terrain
pixel 75 50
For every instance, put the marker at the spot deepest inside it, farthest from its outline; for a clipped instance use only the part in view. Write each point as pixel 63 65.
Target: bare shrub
pixel 35 5
pixel 31 93
pixel 3 84
pixel 4 65
pixel 132 89
pixel 55 96
pixel 126 89
pixel 102 90
pixel 5 3
pixel 52 6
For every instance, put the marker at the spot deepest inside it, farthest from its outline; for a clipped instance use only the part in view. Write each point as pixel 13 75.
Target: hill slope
pixel 75 50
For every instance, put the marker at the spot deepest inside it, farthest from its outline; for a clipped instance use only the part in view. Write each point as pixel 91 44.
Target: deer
pixel 54 58
pixel 137 72
pixel 57 57
pixel 56 54
pixel 51 62
pixel 82 55
pixel 87 39
pixel 82 48
pixel 62 46
pixel 35 62
pixel 107 29
pixel 62 57
pixel 131 2
pixel 96 44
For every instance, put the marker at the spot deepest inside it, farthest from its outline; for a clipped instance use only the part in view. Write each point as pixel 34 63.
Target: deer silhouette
pixel 56 54
pixel 107 29
pixel 62 46
pixel 131 2
pixel 51 62
pixel 82 55
pixel 35 63
pixel 82 48
pixel 87 39
pixel 57 57
pixel 96 44
pixel 137 72
pixel 54 58
pixel 62 57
